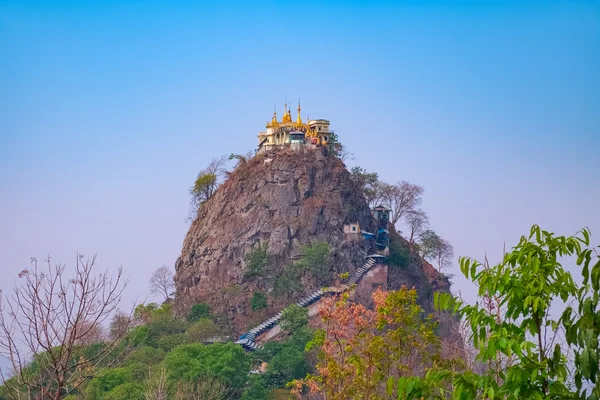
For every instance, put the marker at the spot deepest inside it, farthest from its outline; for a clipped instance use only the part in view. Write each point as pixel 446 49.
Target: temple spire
pixel 299 120
pixel 273 122
pixel 287 115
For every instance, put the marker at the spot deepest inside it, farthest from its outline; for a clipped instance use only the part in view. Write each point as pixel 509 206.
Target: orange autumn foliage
pixel 364 352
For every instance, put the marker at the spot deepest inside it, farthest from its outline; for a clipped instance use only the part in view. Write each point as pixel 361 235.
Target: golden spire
pixel 287 117
pixel 299 120
pixel 273 122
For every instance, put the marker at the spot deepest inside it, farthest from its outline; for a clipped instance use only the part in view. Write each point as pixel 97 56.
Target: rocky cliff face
pixel 281 201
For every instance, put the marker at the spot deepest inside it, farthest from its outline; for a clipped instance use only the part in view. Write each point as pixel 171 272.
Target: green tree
pixel 203 330
pixel 226 362
pixel 206 184
pixel 520 341
pixel 316 260
pixel 335 147
pixel 258 301
pixel 147 355
pixel 288 284
pixel 256 261
pixel 293 318
pixel 169 342
pixel 199 311
pixel 126 391
pixel 583 324
pixel 399 255
pixel 365 181
pixel 436 249
pixel 256 390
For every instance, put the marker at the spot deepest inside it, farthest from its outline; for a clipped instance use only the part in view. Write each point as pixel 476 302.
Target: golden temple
pixel 295 134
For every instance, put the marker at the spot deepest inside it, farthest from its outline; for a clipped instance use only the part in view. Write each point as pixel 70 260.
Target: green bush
pixel 399 255
pixel 294 318
pixel 316 260
pixel 147 355
pixel 258 301
pixel 226 362
pixel 256 262
pixel 168 343
pixel 126 391
pixel 256 390
pixel 199 311
pixel 288 284
pixel 202 330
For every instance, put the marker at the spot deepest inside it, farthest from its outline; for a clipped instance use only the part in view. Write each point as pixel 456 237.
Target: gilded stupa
pixel 286 132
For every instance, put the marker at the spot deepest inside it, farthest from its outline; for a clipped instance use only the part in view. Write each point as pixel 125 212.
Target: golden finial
pixel 273 122
pixel 287 117
pixel 299 120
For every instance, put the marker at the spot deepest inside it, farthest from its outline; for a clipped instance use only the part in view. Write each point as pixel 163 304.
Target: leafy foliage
pixel 288 284
pixel 371 353
pixel 366 182
pixel 316 260
pixel 258 301
pixel 256 262
pixel 199 311
pixel 226 362
pixel 521 340
pixel 293 318
pixel 399 255
pixel 436 249
pixel 203 330
pixel 204 186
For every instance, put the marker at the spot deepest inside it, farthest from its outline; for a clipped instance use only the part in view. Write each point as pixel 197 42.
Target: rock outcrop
pixel 279 200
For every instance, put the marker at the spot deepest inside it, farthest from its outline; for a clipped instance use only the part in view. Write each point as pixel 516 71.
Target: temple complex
pixel 294 134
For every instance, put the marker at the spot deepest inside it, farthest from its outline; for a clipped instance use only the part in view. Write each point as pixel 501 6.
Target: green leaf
pixel 585 363
pixel 596 276
pixel 390 386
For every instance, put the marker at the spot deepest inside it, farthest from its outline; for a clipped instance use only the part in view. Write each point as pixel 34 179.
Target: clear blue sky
pixel 109 109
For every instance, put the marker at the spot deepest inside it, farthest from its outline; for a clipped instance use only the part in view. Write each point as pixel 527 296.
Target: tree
pixel 401 198
pixel 256 261
pixel 258 301
pixel 161 282
pixel 365 181
pixel 526 283
pixel 199 311
pixel 156 386
pixel 206 183
pixel 241 159
pixel 582 325
pixel 293 318
pixel 417 222
pixel 443 255
pixel 119 325
pixel 436 250
pixel 203 330
pixel 226 362
pixel 50 317
pixel 316 260
pixel 203 388
pixel 288 284
pixel 337 149
pixel 390 352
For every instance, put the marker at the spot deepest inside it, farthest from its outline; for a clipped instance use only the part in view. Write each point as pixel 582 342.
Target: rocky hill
pixel 277 203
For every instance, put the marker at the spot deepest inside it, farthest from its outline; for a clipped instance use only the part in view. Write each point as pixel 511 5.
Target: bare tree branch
pixel 48 322
pixel 161 282
pixel 417 222
pixel 401 198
